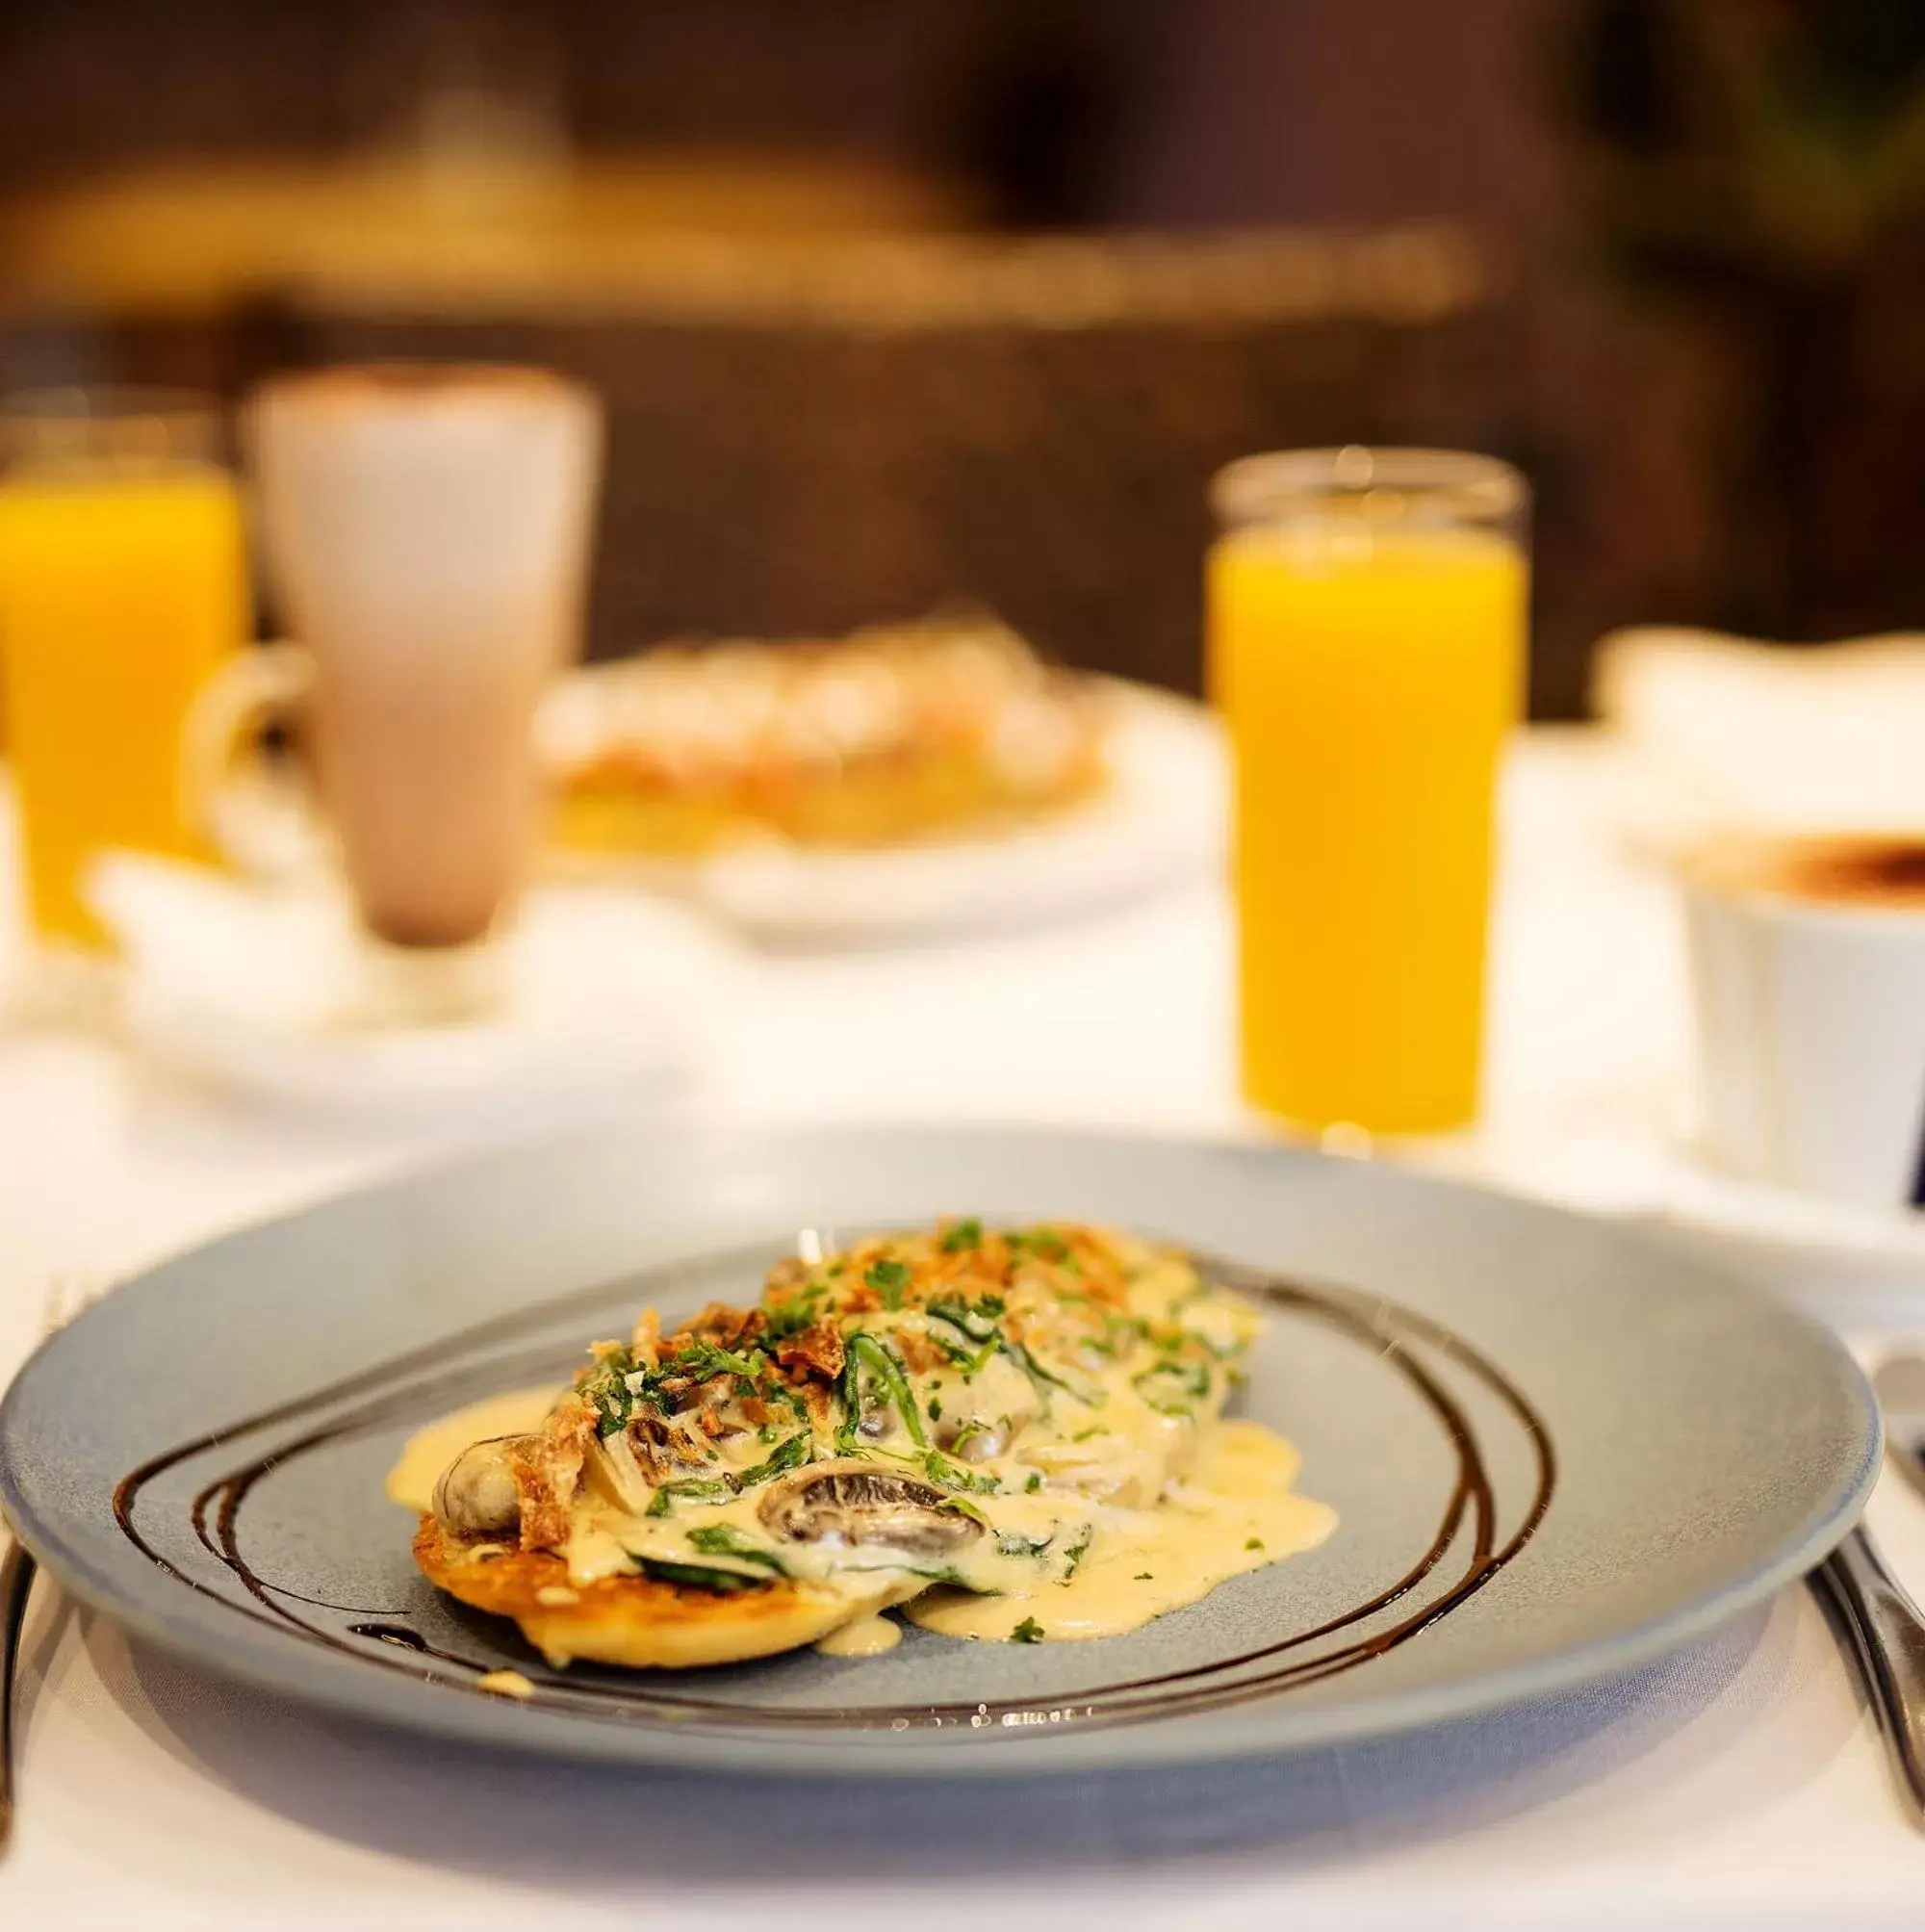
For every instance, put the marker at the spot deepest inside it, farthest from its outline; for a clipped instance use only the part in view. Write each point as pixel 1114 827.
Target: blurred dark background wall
pixel 897 300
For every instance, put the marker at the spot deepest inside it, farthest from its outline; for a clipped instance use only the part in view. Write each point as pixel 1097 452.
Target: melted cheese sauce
pixel 430 1450
pixel 863 1637
pixel 1234 1512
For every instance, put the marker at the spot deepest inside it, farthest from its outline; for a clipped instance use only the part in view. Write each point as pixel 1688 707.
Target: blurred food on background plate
pixel 894 733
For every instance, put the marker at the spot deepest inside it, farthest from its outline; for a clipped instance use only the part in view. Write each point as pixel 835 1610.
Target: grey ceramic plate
pixel 1555 1451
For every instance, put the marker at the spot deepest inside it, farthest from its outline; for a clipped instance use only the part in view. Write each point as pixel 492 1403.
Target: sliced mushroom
pixel 858 1502
pixel 477 1494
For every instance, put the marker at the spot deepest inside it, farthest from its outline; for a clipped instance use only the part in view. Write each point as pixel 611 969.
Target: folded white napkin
pixel 1734 734
pixel 274 995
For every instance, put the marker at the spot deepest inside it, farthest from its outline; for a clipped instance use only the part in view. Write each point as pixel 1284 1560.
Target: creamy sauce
pixel 430 1450
pixel 1234 1512
pixel 864 1637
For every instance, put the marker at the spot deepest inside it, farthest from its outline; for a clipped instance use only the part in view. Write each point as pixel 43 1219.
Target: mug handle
pixel 267 829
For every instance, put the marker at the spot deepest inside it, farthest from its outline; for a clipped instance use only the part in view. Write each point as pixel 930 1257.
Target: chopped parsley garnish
pixel 935 1408
pixel 1033 1484
pixel 1255 1543
pixel 785 1319
pixel 703 1360
pixel 1029 1630
pixel 1173 1387
pixel 1044 1243
pixel 606 1389
pixel 1145 1576
pixel 1073 1554
pixel 889 1278
pixel 962 1235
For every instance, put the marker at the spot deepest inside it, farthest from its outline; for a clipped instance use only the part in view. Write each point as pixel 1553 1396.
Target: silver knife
pixel 1883 1625
pixel 16 1580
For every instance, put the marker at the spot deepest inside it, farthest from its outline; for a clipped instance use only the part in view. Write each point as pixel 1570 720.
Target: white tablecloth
pixel 1738 1784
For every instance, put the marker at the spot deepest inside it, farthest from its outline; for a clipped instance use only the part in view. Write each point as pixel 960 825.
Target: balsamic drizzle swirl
pixel 421 1382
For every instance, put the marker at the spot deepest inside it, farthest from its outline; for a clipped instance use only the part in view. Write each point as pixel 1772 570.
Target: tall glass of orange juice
pixel 122 586
pixel 1366 629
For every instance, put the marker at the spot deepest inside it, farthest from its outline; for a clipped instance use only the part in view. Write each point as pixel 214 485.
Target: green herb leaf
pixel 1014 1544
pixel 962 1235
pixel 1255 1543
pixel 1033 1484
pixel 784 1457
pixel 1042 1376
pixel 1029 1630
pixel 697 1489
pixel 938 1468
pixel 866 1356
pixel 700 1576
pixel 975 1319
pixel 724 1539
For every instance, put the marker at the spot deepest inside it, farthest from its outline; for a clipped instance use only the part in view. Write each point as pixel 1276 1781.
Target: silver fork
pixel 66 1297
pixel 1883 1625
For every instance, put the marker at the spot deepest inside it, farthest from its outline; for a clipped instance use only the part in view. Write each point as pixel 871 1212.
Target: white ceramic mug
pixel 1807 965
pixel 426 533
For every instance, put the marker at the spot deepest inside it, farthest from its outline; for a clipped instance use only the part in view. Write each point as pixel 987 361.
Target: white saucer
pixel 598 999
pixel 1161 820
pixel 1843 1237
pixel 1799 1242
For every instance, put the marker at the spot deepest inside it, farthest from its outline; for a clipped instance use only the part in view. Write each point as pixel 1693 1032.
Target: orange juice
pixel 120 591
pixel 1368 677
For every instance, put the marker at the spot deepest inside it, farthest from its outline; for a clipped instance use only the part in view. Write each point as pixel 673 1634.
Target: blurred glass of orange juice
pixel 1367 629
pixel 122 586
